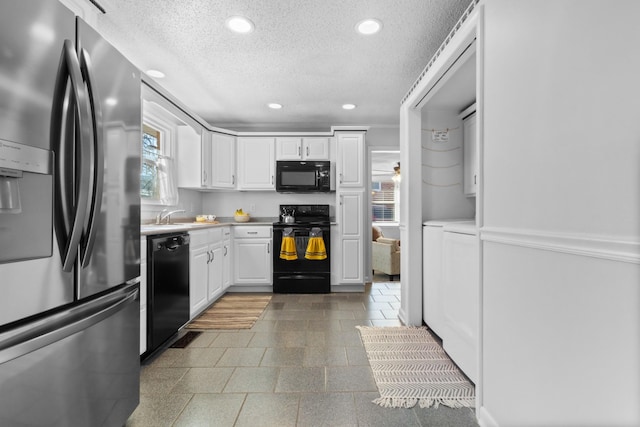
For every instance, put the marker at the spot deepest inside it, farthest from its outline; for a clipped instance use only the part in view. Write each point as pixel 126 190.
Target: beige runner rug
pixel 409 367
pixel 232 311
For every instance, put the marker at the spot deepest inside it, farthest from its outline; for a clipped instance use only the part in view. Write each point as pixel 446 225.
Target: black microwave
pixel 303 176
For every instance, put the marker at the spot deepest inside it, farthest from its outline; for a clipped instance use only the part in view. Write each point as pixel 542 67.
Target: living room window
pixel 383 201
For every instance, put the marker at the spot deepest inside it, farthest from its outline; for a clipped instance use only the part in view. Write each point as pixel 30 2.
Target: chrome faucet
pixel 162 215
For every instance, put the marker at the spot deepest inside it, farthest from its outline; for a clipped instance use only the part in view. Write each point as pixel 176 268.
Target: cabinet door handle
pixel 475 179
pixel 204 177
pixel 307 151
pixel 268 248
pixel 233 180
pixel 252 232
pixel 271 179
pixel 299 153
pixel 208 257
pixel 226 251
pixel 341 178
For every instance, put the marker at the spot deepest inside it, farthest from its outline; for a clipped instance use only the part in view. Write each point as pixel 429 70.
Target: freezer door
pixel 79 367
pixel 32 34
pixel 110 248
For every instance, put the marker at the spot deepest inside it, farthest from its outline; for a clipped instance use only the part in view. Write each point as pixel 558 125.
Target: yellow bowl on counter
pixel 242 218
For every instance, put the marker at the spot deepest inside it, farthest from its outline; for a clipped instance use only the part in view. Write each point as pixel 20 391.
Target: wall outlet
pixel 252 208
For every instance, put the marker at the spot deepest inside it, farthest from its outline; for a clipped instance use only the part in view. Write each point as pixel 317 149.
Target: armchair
pixel 385 254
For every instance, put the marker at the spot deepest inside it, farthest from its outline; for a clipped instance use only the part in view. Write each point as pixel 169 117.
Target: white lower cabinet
pixel 205 268
pixel 461 296
pixel 143 294
pixel 252 262
pixel 227 252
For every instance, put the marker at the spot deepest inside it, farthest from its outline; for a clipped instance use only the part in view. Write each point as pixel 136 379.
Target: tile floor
pixel 302 364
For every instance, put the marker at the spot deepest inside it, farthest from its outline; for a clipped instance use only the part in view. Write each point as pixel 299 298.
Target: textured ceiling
pixel 304 54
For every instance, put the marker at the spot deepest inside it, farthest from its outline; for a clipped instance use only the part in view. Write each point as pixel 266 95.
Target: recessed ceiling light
pixel 111 101
pixel 369 26
pixel 239 24
pixel 274 106
pixel 349 106
pixel 156 74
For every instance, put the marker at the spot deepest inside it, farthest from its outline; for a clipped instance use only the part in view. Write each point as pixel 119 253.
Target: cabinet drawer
pixel 244 232
pixel 199 238
pixel 215 234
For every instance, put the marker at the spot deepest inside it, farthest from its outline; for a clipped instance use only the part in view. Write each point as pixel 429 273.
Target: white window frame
pixel 167 134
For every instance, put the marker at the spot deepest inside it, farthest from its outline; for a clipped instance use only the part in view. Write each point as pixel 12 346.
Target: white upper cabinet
pixel 191 165
pixel 223 161
pixel 256 163
pixel 351 160
pixel 294 148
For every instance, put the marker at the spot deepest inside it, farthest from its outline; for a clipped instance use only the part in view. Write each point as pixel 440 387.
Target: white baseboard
pixel 484 418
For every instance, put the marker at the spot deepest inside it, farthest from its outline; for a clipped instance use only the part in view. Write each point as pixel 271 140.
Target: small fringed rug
pixel 232 311
pixel 409 367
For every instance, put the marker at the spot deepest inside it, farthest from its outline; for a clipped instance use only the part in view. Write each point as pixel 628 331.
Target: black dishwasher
pixel 167 287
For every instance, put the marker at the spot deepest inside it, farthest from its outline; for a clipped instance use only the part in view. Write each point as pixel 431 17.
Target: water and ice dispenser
pixel 26 202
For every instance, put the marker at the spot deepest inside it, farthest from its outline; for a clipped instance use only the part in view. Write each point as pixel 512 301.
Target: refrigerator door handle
pixel 97 166
pixel 72 188
pixel 46 331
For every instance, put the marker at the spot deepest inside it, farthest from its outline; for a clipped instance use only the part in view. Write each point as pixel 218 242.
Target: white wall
pixel 561 273
pixel 443 168
pixel 383 137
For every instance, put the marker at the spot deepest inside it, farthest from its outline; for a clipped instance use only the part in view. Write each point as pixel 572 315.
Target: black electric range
pixel 302 264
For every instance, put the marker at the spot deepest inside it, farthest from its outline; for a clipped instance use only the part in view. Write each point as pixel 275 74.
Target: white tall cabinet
pixel 350 207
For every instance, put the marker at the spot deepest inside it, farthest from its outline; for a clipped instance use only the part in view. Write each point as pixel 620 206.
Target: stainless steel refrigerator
pixel 70 119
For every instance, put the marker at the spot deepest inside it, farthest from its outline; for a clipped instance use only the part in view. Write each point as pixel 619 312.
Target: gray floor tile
pixel 232 339
pixel 264 326
pixel 268 410
pixel 302 363
pixel 325 356
pixel 350 378
pixel 291 325
pixel 279 339
pixel 327 409
pixel 204 339
pixel 370 415
pixel 446 417
pixel 203 380
pixel 325 325
pixel 283 356
pixel 357 356
pixel 252 380
pixel 159 379
pixel 349 325
pixel 338 314
pixel 241 357
pixel 158 410
pixel 197 357
pixel 344 338
pixel 217 410
pixel 300 379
